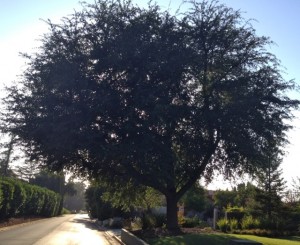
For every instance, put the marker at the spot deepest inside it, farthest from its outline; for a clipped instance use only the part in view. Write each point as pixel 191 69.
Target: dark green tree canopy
pixel 139 93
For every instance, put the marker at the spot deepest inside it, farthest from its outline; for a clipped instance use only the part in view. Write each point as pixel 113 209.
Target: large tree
pixel 140 94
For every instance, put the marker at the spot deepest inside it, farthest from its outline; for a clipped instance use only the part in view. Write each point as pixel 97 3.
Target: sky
pixel 22 25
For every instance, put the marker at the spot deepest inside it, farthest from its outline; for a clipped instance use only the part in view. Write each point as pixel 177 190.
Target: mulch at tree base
pixel 161 232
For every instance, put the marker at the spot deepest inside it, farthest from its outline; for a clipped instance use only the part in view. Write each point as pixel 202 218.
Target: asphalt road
pixel 67 230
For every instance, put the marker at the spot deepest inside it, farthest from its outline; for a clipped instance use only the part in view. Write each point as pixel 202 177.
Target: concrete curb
pixel 130 239
pixel 108 232
pixel 122 236
pixel 115 236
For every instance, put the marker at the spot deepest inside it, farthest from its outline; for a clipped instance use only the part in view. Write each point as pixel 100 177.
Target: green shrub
pixel 28 210
pixel 160 220
pixel 148 221
pixel 65 211
pixel 1 196
pixel 274 223
pixel 292 220
pixel 223 225
pixel 190 222
pixel 248 222
pixel 233 224
pixel 20 198
pixel 203 224
pixel 51 204
pixel 7 192
pixel 37 201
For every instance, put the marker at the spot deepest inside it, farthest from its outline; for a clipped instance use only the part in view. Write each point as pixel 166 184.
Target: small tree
pixel 270 186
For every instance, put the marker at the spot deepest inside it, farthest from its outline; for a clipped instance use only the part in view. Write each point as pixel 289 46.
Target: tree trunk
pixel 8 156
pixel 172 219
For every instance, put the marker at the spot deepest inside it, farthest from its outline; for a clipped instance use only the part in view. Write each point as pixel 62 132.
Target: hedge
pixel 18 198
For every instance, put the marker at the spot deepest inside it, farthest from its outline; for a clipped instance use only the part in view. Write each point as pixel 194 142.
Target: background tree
pixel 6 156
pixel 195 199
pixel 130 196
pixel 224 198
pixel 138 93
pixel 295 192
pixel 270 186
pixel 76 201
pixel 96 206
pixel 245 196
pixel 55 182
pixel 28 170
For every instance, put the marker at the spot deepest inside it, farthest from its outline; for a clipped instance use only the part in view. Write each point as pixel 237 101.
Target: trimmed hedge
pixel 18 198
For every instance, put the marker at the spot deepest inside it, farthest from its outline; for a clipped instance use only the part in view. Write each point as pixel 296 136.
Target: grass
pixel 221 239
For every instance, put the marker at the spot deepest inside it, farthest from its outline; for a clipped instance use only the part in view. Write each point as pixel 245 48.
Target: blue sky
pixel 21 27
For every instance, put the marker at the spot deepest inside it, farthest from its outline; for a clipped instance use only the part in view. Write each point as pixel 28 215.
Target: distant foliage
pixel 195 199
pixel 96 207
pixel 235 213
pixel 18 198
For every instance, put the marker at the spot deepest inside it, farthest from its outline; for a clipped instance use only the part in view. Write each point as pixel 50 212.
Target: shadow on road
pixel 90 224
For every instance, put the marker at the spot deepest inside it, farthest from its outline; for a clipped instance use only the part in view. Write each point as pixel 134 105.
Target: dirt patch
pixel 198 230
pixel 16 221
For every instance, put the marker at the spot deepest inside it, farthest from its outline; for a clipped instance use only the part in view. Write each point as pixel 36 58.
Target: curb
pixel 108 233
pixel 124 237
pixel 130 239
pixel 117 238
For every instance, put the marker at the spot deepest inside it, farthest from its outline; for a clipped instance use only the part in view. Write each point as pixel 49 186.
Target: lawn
pixel 221 239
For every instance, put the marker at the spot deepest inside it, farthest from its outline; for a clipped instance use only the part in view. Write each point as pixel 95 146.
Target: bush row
pixel 18 198
pixel 254 226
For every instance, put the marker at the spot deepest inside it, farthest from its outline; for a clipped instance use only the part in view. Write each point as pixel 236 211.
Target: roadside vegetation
pixel 241 214
pixel 19 199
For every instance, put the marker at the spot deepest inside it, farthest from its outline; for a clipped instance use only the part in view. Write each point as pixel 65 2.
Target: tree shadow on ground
pixel 291 238
pixel 210 239
pixel 88 223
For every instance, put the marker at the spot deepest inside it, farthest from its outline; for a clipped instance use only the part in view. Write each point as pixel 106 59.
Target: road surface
pixel 67 230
